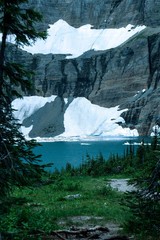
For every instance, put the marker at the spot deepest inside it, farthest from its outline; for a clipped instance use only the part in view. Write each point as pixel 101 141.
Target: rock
pixel 127 76
pixel 108 79
pixel 122 185
pixel 48 120
pixel 105 14
pixel 72 197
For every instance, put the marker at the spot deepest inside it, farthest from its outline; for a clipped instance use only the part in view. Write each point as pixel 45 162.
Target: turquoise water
pixel 60 153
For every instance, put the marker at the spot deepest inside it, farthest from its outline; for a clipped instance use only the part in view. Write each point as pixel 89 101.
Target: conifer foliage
pixel 18 164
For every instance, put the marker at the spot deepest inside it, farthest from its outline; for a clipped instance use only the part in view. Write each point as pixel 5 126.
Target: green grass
pixel 44 208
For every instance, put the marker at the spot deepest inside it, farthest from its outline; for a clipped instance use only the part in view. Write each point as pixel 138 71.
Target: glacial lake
pixel 74 152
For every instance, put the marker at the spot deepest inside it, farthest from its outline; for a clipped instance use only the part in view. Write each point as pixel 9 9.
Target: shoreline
pixel 85 139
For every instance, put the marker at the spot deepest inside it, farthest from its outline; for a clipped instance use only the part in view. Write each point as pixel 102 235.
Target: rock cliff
pixel 101 13
pixel 127 75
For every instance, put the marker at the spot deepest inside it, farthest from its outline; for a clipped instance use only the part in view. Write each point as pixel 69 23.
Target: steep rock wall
pixel 128 75
pixel 100 14
pixel 144 110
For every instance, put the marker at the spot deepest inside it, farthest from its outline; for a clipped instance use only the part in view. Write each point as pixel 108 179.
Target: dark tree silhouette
pixel 19 166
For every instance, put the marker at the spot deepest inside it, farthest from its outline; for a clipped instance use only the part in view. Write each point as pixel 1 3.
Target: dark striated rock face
pixel 100 14
pixel 144 110
pixel 107 78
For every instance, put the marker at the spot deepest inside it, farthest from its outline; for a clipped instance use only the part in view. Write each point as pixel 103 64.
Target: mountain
pixel 107 53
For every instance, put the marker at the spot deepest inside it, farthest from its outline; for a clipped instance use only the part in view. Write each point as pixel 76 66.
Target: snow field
pixel 26 106
pixel 65 39
pixel 82 118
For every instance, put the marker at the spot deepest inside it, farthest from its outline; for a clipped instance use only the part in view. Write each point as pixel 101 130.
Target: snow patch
pixel 65 39
pixel 155 131
pixel 82 119
pixel 136 143
pixel 85 119
pixel 26 106
pixel 26 131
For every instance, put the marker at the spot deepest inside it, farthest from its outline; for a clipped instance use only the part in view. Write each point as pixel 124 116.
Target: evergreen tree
pixel 145 202
pixel 18 164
